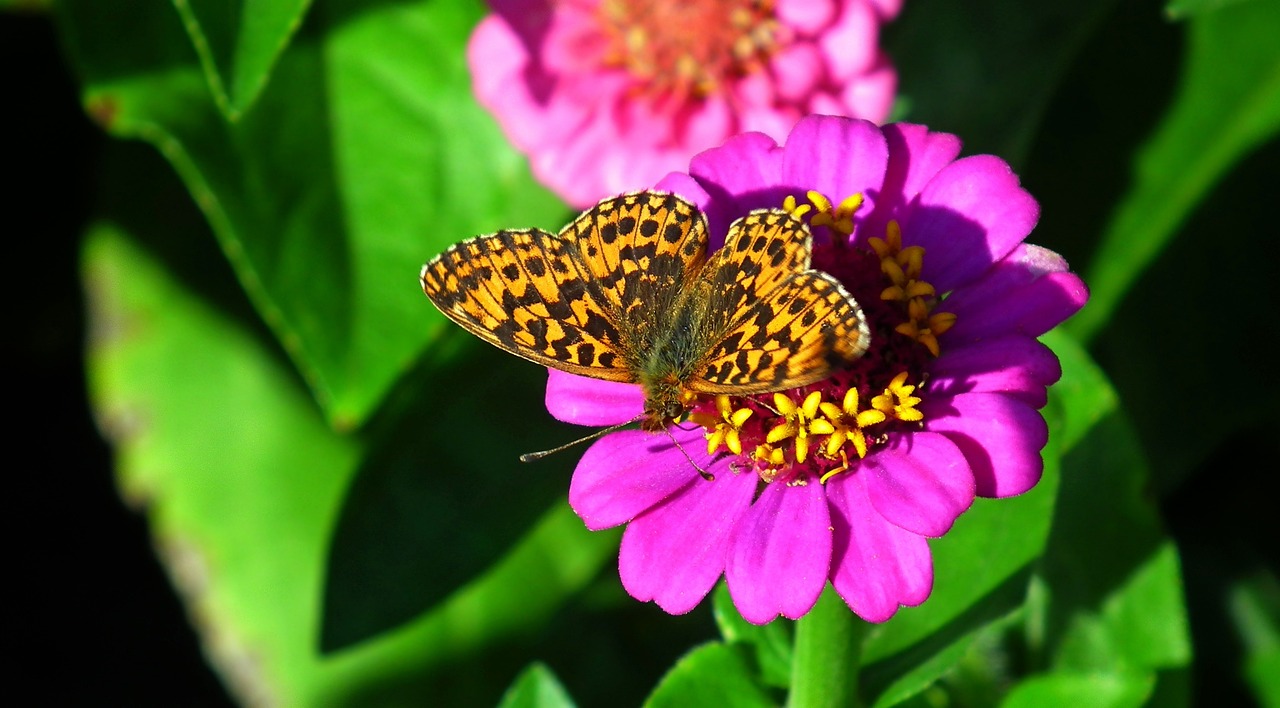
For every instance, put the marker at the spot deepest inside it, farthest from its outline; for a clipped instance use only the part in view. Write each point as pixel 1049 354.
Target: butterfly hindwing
pixel 789 326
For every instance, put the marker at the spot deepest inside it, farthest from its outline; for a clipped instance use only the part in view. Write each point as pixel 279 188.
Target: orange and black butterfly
pixel 627 292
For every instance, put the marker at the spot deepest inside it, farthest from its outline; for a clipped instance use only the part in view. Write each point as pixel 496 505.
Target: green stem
pixel 824 667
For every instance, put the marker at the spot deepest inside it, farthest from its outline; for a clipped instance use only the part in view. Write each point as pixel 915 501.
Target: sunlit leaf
pixel 712 674
pixel 363 158
pixel 536 687
pixel 243 480
pixel 238 43
pixel 1099 690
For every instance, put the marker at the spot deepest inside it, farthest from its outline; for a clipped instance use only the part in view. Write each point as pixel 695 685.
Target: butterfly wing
pixel 784 324
pixel 526 292
pixel 641 250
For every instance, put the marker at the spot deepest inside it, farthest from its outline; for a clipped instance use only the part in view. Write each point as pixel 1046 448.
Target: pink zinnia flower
pixel 844 480
pixel 606 96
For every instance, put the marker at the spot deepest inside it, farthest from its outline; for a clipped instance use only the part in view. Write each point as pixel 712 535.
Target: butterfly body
pixel 627 292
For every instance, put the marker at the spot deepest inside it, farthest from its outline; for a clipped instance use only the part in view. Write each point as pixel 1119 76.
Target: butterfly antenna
pixel 705 474
pixel 532 456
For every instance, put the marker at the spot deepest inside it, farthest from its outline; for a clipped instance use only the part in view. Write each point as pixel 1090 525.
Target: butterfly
pixel 627 292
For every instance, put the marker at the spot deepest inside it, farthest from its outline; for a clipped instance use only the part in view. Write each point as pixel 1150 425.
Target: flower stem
pixel 824 667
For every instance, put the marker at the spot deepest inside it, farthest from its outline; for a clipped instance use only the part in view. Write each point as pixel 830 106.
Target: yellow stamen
pixel 847 424
pixel 838 218
pixel 902 267
pixel 799 210
pixel 888 246
pixel 725 429
pixel 799 422
pixel 897 401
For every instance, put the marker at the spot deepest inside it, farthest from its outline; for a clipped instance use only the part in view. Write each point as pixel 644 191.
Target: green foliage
pixel 362 156
pixel 1228 103
pixel 329 470
pixel 536 687
pixel 712 674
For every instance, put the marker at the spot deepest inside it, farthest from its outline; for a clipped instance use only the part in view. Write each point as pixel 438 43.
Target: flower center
pixel 688 48
pixel 824 429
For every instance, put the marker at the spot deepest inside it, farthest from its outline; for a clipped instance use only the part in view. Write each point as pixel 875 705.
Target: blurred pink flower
pixel 606 96
pixel 844 480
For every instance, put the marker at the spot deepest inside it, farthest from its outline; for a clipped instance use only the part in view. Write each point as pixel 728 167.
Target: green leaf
pixel 983 565
pixel 441 493
pixel 991 92
pixel 536 687
pixel 768 644
pixel 31 6
pixel 981 570
pixel 238 43
pixel 1121 609
pixel 1150 369
pixel 713 674
pixel 1262 670
pixel 1255 613
pixel 364 157
pixel 243 480
pixel 1182 9
pixel 1228 104
pixel 1097 690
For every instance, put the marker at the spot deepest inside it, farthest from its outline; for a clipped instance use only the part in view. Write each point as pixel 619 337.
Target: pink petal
pixel 1013 364
pixel 915 157
pixel 851 45
pixel 807 16
pixel 583 401
pixel 773 119
pixel 674 553
pixel 1000 436
pixel 887 9
pixel 704 124
pixel 624 473
pixel 970 215
pixel 687 187
pixel 876 566
pixel 835 156
pixel 570 43
pixel 870 94
pixel 781 553
pixel 1027 293
pixel 796 71
pixel 825 103
pixel 572 167
pixel 921 482
pixel 497 59
pixel 758 91
pixel 747 164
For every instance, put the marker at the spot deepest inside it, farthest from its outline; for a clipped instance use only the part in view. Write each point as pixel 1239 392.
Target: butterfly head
pixel 666 401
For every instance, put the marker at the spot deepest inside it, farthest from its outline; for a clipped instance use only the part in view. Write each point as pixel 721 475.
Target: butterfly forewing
pixel 640 250
pixel 523 291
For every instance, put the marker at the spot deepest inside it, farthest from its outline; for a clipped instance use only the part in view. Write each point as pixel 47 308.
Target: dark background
pixel 98 623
